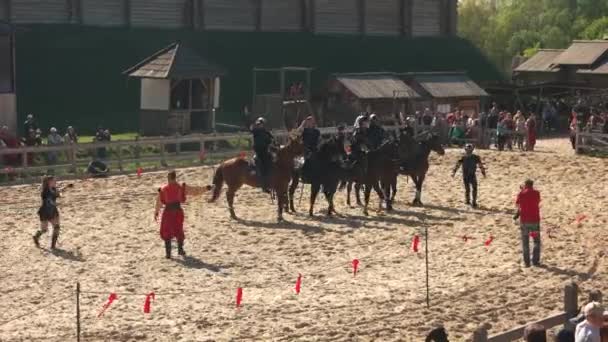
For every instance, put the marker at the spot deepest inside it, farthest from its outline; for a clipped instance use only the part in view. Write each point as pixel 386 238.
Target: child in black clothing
pixel 469 164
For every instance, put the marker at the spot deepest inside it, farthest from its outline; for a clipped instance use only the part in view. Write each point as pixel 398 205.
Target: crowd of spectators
pixel 33 135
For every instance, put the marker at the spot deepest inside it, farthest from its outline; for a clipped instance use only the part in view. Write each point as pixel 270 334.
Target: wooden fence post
pixel 201 153
pixel 481 334
pixel 119 153
pixel 571 300
pixel 77 312
pixel 163 162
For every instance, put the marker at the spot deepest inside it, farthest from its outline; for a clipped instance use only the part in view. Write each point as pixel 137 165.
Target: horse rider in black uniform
pixel 262 140
pixel 359 143
pixel 469 164
pixel 341 139
pixel 310 137
pixel 375 133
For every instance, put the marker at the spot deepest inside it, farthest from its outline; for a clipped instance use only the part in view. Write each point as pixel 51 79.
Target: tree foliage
pixel 507 28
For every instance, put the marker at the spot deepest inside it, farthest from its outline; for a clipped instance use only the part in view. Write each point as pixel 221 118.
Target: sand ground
pixel 110 243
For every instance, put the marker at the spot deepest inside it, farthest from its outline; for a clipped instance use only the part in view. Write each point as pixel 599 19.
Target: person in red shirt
pixel 170 197
pixel 528 211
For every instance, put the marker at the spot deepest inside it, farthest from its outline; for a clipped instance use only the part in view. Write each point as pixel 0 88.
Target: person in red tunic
pixel 170 197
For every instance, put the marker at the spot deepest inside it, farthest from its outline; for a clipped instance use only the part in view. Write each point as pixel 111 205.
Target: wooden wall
pixel 103 13
pixel 159 13
pixel 336 16
pixel 282 15
pixel 383 17
pixel 374 17
pixel 426 16
pixel 229 15
pixel 39 11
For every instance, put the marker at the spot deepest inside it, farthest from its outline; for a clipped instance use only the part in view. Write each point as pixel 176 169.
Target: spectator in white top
pixel 589 329
pixel 53 139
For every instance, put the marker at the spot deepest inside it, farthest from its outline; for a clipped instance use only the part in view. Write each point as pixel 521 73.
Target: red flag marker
pixel 149 297
pixel 415 243
pixel 489 241
pixel 580 218
pixel 534 235
pixel 139 171
pixel 109 302
pixel 239 296
pixel 298 284
pixel 355 266
pixel 243 155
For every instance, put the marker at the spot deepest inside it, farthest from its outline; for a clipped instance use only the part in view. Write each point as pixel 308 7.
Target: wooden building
pixel 179 91
pixel 410 18
pixel 444 92
pixel 583 65
pixel 381 93
pixel 8 96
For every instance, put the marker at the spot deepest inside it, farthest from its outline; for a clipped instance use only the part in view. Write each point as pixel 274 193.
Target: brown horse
pixel 236 171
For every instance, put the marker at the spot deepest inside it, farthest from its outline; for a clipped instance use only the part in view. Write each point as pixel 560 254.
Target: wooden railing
pixel 591 141
pixel 571 310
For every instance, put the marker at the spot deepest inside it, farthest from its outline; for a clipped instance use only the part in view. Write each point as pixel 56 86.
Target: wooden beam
pixel 258 15
pixel 312 16
pixel 196 14
pixel 362 17
pixel 406 18
pixel 8 10
pixel 126 12
pixel 303 16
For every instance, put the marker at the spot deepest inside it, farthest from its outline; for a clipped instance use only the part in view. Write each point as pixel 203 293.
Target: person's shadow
pixel 67 255
pixel 195 263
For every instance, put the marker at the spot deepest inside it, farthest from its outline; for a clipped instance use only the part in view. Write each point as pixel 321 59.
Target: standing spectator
pixel 29 123
pixel 53 139
pixel 520 130
pixel 102 135
pixel 573 129
pixel 427 118
pixel 509 125
pixel 71 138
pixel 501 135
pixel 535 333
pixel 531 132
pixel 528 211
pixel 493 117
pixel 589 329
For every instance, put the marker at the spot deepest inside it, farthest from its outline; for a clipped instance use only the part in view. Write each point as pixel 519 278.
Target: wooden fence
pixel 571 310
pixel 591 141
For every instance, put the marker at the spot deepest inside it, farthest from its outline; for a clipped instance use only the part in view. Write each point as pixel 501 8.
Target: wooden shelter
pixel 180 91
pixel 445 91
pixel 381 93
pixel 8 96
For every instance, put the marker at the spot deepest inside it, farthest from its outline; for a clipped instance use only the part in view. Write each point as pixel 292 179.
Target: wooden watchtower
pixel 180 91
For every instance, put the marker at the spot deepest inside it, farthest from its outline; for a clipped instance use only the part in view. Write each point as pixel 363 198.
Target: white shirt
pixel 585 332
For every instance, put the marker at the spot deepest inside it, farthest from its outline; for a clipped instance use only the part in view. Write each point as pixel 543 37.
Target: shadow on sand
pixel 197 264
pixel 67 255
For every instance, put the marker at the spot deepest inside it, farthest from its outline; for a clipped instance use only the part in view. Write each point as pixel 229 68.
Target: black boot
pixel 180 248
pixel 55 236
pixel 36 238
pixel 168 249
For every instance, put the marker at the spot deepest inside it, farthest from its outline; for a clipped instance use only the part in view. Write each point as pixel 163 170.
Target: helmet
pixel 53 130
pixel 469 148
pixel 260 121
pixel 373 117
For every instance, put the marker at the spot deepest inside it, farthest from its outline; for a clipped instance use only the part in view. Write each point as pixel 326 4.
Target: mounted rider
pixel 310 137
pixel 375 133
pixel 262 140
pixel 359 142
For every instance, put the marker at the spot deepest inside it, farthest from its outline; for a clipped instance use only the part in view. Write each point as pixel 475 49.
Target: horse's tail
pixel 218 182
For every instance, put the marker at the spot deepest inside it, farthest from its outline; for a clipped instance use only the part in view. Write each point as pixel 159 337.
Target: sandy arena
pixel 110 243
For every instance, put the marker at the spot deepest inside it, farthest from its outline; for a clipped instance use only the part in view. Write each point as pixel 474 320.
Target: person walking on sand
pixel 48 212
pixel 469 163
pixel 528 212
pixel 169 198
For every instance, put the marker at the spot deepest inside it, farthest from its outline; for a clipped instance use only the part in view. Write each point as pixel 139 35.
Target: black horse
pixel 324 170
pixel 416 162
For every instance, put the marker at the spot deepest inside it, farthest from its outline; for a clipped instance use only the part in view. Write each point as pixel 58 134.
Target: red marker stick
pixel 109 302
pixel 355 266
pixel 489 241
pixel 415 243
pixel 239 296
pixel 298 284
pixel 149 298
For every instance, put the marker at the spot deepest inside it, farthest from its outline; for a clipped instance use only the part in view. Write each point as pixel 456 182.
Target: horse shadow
pixel 424 216
pixel 197 264
pixel 481 210
pixel 583 276
pixel 67 255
